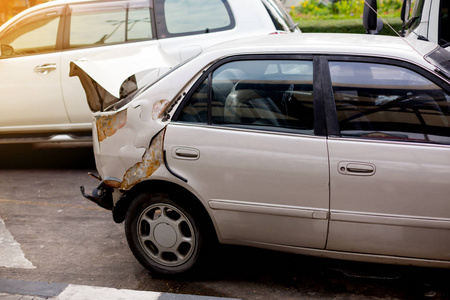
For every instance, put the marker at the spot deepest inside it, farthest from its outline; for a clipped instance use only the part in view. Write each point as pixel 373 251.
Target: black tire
pixel 165 237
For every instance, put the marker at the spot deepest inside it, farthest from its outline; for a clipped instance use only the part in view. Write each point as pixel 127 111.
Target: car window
pixel 93 25
pixel 388 102
pixel 36 33
pixel 444 24
pixel 185 17
pixel 257 94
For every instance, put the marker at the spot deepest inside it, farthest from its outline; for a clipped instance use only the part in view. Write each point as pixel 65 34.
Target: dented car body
pixel 326 145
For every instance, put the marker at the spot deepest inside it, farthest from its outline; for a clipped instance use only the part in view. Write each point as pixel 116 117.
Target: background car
pixel 333 145
pixel 38 97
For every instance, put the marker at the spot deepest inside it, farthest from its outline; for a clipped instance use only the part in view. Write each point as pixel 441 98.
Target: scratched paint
pixel 151 161
pixel 109 125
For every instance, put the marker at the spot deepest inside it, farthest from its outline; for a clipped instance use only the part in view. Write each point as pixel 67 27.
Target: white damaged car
pixel 319 144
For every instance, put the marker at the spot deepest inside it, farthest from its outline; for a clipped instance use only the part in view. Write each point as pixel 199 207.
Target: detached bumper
pixel 101 195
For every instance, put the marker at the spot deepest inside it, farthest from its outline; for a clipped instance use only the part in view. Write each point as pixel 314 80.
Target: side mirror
pixel 370 21
pixel 6 50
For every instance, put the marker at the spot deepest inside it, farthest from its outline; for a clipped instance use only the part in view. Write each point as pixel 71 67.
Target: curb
pixel 16 289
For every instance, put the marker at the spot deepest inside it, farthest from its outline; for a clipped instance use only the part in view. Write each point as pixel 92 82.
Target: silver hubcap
pixel 166 235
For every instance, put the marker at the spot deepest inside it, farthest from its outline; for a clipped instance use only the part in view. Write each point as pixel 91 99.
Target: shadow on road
pixel 47 156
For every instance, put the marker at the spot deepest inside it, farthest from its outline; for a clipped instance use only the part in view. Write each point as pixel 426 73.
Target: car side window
pixel 36 33
pixel 256 94
pixel 380 101
pixel 187 17
pixel 100 24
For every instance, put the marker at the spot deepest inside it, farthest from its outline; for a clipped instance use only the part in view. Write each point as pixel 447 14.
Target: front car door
pixel 30 73
pixel 389 160
pixel 247 141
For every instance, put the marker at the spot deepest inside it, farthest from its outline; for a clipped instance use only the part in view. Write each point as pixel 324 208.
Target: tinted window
pixel 183 17
pixel 108 24
pixel 388 102
pixel 36 33
pixel 268 94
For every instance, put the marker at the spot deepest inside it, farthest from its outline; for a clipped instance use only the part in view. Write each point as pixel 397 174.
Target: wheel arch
pixel 174 190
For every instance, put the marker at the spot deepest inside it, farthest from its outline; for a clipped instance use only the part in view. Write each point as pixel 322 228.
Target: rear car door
pixel 247 141
pixel 389 160
pixel 30 72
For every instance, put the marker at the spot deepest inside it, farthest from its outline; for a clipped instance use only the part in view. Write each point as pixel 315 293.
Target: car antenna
pixel 389 25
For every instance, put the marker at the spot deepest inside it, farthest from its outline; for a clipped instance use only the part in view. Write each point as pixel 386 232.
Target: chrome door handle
pixel 356 168
pixel 44 69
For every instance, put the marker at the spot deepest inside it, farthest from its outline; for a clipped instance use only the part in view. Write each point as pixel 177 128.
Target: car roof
pixel 330 44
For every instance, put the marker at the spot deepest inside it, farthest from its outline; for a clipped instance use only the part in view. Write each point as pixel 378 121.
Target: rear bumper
pixel 101 195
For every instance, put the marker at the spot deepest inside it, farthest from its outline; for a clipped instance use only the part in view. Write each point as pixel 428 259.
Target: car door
pixel 105 31
pixel 389 160
pixel 30 73
pixel 247 142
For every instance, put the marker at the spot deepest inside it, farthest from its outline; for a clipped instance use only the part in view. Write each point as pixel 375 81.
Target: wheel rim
pixel 166 235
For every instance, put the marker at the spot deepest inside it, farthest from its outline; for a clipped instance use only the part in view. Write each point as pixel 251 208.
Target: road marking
pixel 11 255
pixel 92 292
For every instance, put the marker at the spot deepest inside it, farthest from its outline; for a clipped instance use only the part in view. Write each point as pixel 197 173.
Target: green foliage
pixel 344 16
pixel 343 9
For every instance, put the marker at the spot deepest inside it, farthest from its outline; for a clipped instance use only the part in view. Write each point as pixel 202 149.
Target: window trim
pixel 319 114
pixel 333 128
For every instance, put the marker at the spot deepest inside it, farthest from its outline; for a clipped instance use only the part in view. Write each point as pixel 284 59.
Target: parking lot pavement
pixel 30 290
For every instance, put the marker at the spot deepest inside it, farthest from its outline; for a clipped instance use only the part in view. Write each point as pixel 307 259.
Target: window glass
pixel 389 102
pixel 105 24
pixel 184 16
pixel 139 24
pixel 444 26
pixel 261 94
pixel 36 34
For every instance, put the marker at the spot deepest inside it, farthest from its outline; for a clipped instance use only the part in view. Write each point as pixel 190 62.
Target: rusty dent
pixel 109 125
pixel 159 108
pixel 151 161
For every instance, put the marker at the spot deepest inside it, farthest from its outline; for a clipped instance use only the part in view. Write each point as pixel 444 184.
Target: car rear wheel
pixel 163 235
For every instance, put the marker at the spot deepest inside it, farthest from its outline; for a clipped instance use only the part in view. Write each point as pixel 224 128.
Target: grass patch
pixel 344 25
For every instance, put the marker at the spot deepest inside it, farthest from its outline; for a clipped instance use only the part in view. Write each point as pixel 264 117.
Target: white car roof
pixel 326 43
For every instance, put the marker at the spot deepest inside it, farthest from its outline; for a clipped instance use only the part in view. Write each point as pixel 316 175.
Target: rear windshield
pixel 441 59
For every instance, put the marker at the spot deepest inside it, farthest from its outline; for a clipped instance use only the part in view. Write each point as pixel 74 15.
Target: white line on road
pixel 11 255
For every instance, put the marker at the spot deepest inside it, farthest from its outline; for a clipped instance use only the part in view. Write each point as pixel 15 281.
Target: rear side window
pixel 186 17
pixel 386 102
pixel 256 94
pixel 103 23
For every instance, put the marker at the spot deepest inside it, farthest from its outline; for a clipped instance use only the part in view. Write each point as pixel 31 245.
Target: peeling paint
pixel 108 125
pixel 159 108
pixel 151 161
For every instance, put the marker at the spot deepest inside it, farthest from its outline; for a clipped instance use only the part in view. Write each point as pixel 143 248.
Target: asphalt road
pixel 65 238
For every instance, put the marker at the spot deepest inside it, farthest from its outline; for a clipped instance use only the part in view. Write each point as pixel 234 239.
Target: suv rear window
pixel 178 17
